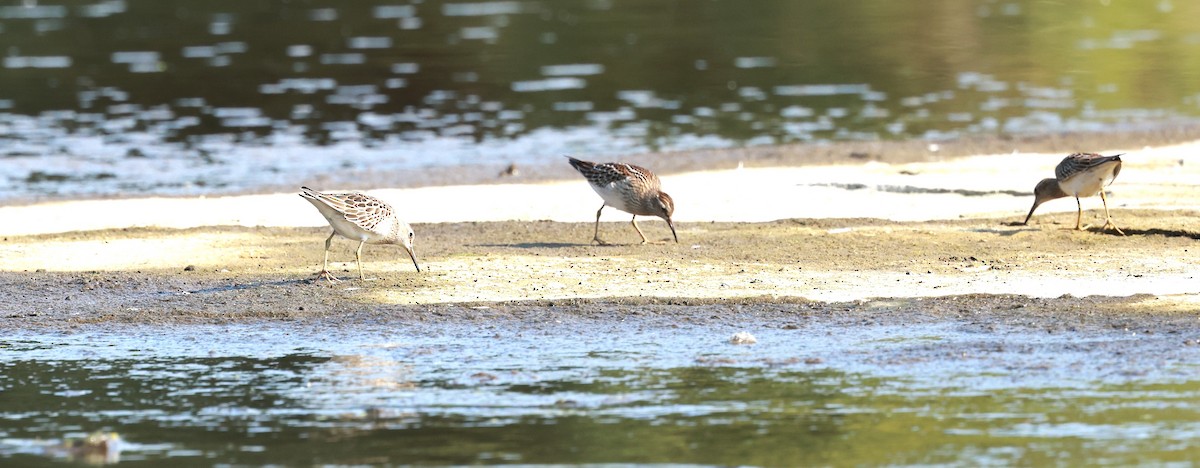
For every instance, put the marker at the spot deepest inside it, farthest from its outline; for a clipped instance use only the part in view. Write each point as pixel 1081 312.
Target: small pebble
pixel 189 268
pixel 743 338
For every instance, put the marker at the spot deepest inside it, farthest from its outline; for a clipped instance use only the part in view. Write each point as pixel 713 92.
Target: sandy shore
pixel 846 265
pixel 835 234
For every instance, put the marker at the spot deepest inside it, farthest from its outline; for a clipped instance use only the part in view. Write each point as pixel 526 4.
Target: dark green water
pixel 591 392
pixel 175 96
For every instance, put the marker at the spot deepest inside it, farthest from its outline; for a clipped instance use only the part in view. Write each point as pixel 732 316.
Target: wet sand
pixel 887 258
pixel 1046 273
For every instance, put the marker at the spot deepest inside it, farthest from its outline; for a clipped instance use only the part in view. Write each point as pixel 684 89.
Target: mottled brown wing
pixel 1080 162
pixel 602 174
pixel 636 173
pixel 361 209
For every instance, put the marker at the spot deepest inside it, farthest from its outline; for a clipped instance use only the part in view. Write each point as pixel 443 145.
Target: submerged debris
pixel 97 448
pixel 742 338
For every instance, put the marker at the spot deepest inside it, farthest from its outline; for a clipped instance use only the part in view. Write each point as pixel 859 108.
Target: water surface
pixel 597 392
pixel 173 96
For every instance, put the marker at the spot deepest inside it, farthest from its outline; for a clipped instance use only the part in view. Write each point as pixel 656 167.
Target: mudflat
pixel 992 270
pixel 888 238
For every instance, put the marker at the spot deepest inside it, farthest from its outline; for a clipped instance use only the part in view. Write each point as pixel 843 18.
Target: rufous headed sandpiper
pixel 628 188
pixel 360 217
pixel 1079 175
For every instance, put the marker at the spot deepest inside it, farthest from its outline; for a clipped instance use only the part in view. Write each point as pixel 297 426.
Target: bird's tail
pixel 581 165
pixel 309 193
pixel 1116 157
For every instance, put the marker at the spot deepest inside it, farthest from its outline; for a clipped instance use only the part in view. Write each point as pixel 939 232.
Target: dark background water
pixel 173 96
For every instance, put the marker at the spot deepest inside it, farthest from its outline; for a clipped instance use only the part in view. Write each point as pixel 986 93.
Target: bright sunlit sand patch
pixel 126 254
pixel 1187 303
pixel 470 279
pixel 981 186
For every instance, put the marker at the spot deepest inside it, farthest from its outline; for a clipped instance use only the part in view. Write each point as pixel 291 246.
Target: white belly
pixel 349 230
pixel 352 231
pixel 1088 183
pixel 613 197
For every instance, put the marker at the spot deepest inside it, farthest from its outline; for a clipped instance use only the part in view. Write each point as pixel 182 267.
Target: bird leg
pixel 596 237
pixel 324 273
pixel 635 227
pixel 1108 223
pixel 358 256
pixel 1078 214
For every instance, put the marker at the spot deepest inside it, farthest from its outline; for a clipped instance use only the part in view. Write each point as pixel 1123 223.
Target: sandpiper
pixel 628 188
pixel 360 217
pixel 1079 175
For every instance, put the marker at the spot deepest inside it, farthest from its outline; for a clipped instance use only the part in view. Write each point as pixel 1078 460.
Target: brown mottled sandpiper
pixel 1079 175
pixel 359 217
pixel 628 188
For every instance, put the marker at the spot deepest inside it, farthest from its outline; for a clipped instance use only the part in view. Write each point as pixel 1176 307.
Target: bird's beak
pixel 413 256
pixel 1036 202
pixel 672 226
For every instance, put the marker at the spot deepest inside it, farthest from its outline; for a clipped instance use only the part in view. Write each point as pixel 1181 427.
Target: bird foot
pixel 1109 225
pixel 599 241
pixel 1106 227
pixel 327 276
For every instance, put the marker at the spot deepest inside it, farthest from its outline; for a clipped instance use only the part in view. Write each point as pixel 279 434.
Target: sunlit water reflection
pixel 600 392
pixel 173 96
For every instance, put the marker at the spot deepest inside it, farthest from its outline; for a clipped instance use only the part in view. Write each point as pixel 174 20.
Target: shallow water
pixel 175 96
pixel 601 392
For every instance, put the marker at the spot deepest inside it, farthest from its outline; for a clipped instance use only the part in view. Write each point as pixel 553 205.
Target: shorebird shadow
pixel 535 245
pixel 1007 232
pixel 1148 232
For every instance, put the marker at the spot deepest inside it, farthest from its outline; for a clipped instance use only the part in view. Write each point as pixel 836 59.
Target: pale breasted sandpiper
pixel 360 217
pixel 1079 175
